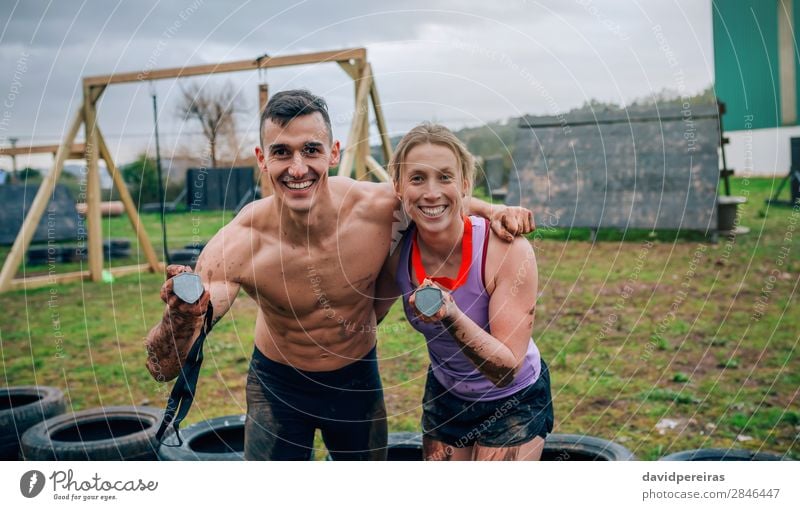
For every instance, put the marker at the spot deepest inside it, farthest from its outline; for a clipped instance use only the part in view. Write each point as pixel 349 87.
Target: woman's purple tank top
pixel 449 365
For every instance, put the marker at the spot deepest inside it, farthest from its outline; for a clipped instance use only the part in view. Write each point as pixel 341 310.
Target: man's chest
pixel 292 277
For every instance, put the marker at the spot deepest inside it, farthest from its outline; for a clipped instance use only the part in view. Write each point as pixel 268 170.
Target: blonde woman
pixel 487 395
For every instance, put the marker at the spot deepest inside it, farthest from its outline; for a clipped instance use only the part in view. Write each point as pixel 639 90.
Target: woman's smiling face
pixel 431 186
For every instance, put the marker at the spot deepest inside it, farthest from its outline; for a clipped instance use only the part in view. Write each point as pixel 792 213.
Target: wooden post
pixel 263 96
pixel 345 55
pixel 34 282
pixel 263 180
pixel 378 170
pixel 386 143
pixel 350 69
pixel 362 144
pixel 77 149
pixel 362 88
pixel 38 206
pixel 94 219
pixel 130 207
pixel 352 61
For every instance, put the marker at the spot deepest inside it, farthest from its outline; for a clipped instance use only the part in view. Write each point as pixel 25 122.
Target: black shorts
pixel 508 421
pixel 285 406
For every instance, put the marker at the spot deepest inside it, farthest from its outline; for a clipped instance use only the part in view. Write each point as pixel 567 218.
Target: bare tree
pixel 215 109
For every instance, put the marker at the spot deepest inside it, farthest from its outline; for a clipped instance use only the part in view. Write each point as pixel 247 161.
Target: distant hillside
pixel 493 139
pixel 498 138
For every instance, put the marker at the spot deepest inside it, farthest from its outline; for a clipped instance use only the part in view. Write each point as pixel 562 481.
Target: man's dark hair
pixel 287 105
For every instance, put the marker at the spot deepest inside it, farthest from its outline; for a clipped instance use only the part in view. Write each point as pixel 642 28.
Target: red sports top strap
pixel 466 260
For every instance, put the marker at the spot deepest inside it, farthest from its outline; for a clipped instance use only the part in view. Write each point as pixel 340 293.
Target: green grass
pixel 719 352
pixel 764 420
pixel 183 228
pixel 680 377
pixel 677 397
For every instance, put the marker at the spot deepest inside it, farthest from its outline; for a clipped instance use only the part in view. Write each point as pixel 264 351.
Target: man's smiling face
pixel 296 158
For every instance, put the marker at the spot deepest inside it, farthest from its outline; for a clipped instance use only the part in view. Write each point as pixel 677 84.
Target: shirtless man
pixel 309 256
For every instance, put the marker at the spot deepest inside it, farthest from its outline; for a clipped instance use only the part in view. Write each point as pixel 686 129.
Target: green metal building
pixel 756 62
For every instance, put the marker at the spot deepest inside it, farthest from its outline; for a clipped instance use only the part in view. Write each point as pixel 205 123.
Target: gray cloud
pixel 460 62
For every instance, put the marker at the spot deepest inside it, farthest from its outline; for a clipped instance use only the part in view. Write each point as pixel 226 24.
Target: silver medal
pixel 188 287
pixel 428 300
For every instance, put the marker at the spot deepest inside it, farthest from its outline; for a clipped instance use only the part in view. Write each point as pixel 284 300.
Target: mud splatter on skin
pixel 499 375
pixel 346 330
pixel 168 342
pixel 170 345
pixel 435 450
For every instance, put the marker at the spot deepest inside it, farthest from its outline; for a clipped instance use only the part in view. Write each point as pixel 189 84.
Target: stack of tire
pixel 220 439
pixel 187 256
pixel 216 439
pixel 106 433
pixel 577 447
pixel 560 447
pixel 74 253
pixel 22 407
pixel 32 423
pixel 43 255
pixel 115 248
pixel 407 446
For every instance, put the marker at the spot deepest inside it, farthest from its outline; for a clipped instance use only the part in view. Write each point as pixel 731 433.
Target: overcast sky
pixel 457 62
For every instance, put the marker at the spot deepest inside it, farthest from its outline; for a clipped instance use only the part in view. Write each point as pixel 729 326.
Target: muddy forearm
pixel 168 344
pixel 492 358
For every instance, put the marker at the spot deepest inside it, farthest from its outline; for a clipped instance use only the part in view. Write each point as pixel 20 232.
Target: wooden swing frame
pixel 356 156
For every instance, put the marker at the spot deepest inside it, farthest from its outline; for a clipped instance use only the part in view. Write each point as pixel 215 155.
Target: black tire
pixel 116 248
pixel 22 407
pixel 117 244
pixel 407 446
pixel 404 446
pixel 73 253
pixel 108 433
pixel 117 254
pixel 217 439
pixel 184 257
pixel 401 446
pixel 580 447
pixel 722 454
pixel 41 255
